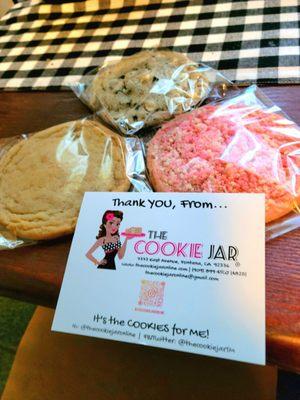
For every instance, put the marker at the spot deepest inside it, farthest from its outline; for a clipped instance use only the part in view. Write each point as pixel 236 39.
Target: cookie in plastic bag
pixel 241 144
pixel 147 88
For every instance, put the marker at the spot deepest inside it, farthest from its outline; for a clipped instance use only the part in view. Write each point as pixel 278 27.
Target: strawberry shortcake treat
pixel 230 147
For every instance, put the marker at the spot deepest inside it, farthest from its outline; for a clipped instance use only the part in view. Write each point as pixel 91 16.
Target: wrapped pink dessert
pixel 242 144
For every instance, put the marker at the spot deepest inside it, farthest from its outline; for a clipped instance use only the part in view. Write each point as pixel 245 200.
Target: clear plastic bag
pixel 241 144
pixel 148 88
pixel 43 177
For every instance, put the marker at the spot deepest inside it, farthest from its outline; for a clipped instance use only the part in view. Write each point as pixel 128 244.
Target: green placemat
pixel 14 317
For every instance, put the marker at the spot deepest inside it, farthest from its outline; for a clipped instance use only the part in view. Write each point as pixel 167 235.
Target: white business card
pixel 180 271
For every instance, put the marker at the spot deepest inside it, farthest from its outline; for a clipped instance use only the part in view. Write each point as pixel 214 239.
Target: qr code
pixel 152 293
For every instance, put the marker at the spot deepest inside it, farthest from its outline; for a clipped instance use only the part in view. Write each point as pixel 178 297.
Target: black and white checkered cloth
pixel 47 46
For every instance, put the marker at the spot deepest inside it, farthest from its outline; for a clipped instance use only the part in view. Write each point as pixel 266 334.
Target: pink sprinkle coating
pixel 232 148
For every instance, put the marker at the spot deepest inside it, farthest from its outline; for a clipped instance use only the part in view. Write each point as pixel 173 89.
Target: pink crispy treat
pixel 236 148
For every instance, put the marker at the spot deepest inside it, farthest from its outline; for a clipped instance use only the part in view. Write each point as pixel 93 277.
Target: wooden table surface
pixel 35 273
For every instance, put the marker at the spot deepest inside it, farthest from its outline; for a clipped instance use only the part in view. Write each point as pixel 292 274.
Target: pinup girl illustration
pixel 109 239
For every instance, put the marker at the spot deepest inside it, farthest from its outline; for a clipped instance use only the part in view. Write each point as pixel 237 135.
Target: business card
pixel 181 271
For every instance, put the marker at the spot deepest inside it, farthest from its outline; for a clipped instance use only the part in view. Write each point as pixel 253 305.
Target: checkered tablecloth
pixel 46 46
